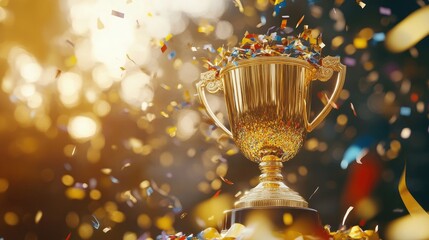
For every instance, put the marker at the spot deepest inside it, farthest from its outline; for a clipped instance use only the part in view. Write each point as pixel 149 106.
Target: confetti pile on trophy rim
pixel 305 46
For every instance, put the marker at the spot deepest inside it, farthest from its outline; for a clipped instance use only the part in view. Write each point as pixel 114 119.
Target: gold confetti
pixel 408 32
pixel 164 114
pixel 100 24
pixel 38 216
pixel 410 202
pixel 238 4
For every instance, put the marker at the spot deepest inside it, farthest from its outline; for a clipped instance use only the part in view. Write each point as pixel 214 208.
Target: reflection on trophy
pixel 268 103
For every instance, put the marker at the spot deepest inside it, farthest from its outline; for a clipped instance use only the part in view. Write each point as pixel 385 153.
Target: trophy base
pixel 281 219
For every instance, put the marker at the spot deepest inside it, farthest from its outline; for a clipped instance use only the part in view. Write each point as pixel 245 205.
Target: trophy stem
pixel 271 191
pixel 271 168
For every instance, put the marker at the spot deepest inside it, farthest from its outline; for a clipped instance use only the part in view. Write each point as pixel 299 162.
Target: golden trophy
pixel 268 103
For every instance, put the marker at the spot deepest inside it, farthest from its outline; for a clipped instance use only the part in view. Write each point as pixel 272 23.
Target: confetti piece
pixel 217 193
pixel 107 229
pixel 106 171
pixel 100 24
pixel 95 222
pixel 413 207
pixel 163 48
pixel 171 55
pixel 326 100
pixel 38 216
pixel 149 191
pixel 361 155
pixel 414 52
pixel 238 194
pixel 168 37
pixel 113 179
pixel 360 43
pixel 353 109
pixel 263 22
pixel 379 37
pixel 405 111
pixel 183 215
pixel 350 61
pixel 405 34
pixel 58 73
pixel 385 11
pixel 313 193
pixel 278 5
pixel 73 151
pixel 361 4
pixel 346 215
pixel 226 180
pixel 300 21
pixel 118 14
pixel 164 114
pixel 70 43
pixel 68 236
pixel 125 166
pixel 283 25
pixel 129 58
pixel 238 4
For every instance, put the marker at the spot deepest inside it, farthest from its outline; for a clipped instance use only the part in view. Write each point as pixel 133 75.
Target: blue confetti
pixel 405 111
pixel 149 191
pixel 172 55
pixel 379 37
pixel 114 180
pixel 95 222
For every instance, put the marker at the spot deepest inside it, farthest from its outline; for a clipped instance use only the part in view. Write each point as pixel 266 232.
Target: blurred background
pixel 103 137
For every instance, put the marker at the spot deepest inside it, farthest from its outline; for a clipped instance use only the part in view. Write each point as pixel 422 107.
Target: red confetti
pixel 284 22
pixel 164 48
pixel 68 236
pixel 217 193
pixel 414 97
pixel 226 180
pixel 353 109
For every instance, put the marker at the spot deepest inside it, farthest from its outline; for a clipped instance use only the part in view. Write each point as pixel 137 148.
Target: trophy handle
pixel 324 73
pixel 213 85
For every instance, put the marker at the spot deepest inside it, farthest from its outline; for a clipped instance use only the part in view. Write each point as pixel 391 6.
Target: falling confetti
pixel 172 55
pixel 118 14
pixel 68 236
pixel 278 5
pixel 38 216
pixel 107 229
pixel 300 21
pixel 238 4
pixel 353 109
pixel 217 193
pixel 163 48
pixel 95 222
pixel 313 193
pixel 100 24
pixel 346 215
pixel 226 180
pixel 263 22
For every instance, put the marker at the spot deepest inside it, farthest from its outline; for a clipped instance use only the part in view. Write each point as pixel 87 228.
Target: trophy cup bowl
pixel 268 103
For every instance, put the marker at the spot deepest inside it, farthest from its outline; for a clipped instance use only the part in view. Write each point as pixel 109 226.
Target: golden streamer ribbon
pixel 410 202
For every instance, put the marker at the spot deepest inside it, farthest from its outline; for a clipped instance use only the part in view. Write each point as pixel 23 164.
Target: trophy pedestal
pixel 280 219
